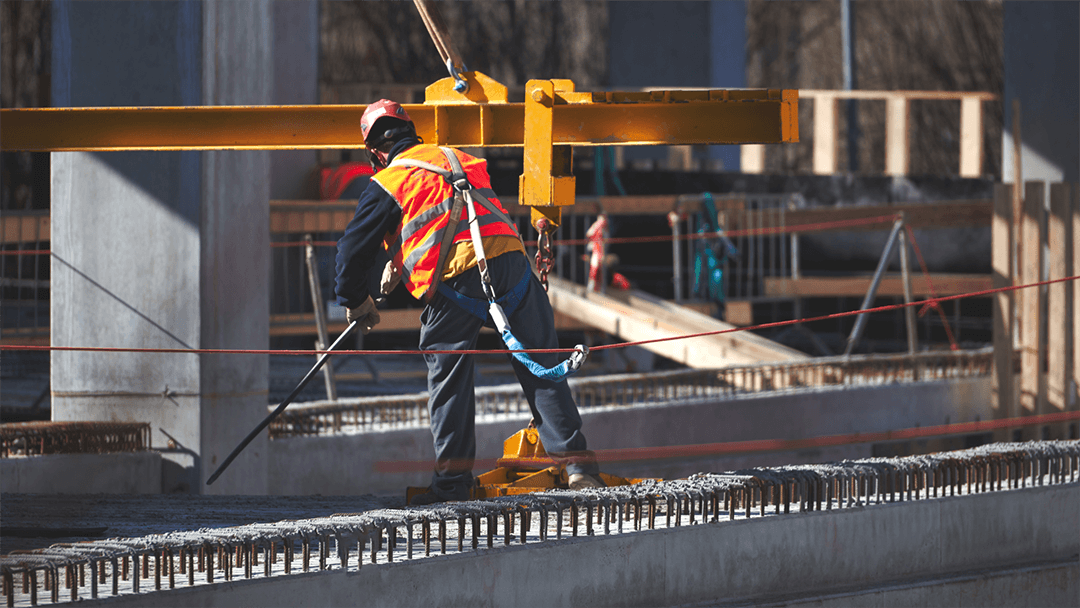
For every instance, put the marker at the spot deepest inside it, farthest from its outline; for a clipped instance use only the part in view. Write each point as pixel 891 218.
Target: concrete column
pixel 164 249
pixel 727 64
pixel 634 61
pixel 1042 70
pixel 296 82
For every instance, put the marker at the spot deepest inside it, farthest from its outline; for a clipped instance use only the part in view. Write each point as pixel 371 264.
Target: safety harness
pixel 498 308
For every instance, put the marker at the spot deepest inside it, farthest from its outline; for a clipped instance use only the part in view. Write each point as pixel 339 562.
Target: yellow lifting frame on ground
pixel 553 118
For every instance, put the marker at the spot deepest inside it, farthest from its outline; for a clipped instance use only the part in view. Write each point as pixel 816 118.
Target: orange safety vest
pixel 426 199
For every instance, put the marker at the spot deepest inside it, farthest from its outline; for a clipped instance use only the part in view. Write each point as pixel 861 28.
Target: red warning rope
pixel 836 315
pixel 812 227
pixel 933 292
pixel 729 448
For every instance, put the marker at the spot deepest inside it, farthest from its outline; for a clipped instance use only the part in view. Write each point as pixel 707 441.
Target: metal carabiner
pixel 577 358
pixel 460 84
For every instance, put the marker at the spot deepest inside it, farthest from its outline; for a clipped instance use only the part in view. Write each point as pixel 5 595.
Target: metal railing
pixel 41 438
pixel 24 278
pixel 363 414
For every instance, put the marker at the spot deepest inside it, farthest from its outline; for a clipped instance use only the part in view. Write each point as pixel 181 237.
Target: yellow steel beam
pixel 338 126
pixel 582 119
pixel 553 118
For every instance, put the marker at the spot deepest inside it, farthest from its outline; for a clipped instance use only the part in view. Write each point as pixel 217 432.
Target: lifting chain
pixel 544 258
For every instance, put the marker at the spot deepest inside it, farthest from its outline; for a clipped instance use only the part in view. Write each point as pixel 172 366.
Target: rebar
pixel 726 496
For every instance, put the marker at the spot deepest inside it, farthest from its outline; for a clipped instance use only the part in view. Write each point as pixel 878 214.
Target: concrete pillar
pixel 164 249
pixel 296 82
pixel 727 65
pixel 634 61
pixel 1042 70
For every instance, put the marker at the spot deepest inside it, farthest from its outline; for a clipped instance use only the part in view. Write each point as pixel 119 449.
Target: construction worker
pixel 406 210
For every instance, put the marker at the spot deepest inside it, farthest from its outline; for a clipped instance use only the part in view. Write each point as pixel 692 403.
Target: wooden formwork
pixel 1037 244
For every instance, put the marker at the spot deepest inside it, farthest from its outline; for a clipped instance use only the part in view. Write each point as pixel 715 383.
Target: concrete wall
pixel 134 473
pixel 170 249
pixel 932 544
pixel 345 464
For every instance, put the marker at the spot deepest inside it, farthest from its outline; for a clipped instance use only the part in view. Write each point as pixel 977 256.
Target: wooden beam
pixel 891 285
pixel 634 315
pixel 896 136
pixel 752 158
pixel 825 130
pixel 1074 215
pixel 1059 317
pixel 324 216
pixel 1032 346
pixel 310 216
pixel 25 336
pixel 1004 393
pixel 971 137
pixel 816 94
pixel 303 324
pixel 24 226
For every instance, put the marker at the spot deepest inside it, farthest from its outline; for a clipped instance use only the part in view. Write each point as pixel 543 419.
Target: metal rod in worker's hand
pixel 284 404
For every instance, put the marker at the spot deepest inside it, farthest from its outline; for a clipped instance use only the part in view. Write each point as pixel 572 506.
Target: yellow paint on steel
pixel 553 118
pixel 579 119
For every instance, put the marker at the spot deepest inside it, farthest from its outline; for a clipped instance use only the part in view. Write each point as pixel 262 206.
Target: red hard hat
pixel 381 109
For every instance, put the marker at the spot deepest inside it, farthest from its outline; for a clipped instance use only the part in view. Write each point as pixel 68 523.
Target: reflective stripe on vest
pixel 425 199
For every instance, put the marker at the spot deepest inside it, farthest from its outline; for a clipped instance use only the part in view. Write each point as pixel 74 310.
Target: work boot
pixel 581 481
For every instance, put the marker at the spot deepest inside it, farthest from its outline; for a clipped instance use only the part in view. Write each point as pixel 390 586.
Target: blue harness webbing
pixel 479 308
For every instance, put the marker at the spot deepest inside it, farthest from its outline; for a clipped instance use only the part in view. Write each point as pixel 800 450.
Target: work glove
pixel 365 314
pixel 391 276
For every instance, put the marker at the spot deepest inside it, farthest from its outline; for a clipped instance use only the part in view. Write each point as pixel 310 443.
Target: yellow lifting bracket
pixel 553 118
pixel 525 467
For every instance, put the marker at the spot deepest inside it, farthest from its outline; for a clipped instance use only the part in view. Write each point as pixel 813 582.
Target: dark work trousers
pixel 452 401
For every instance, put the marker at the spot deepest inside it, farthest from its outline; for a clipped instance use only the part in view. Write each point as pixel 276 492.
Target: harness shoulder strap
pixel 463 192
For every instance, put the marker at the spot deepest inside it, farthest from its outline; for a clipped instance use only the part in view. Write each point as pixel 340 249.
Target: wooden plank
pixel 285 216
pixel 891 285
pixel 943 214
pixel 402 319
pixel 739 312
pixel 971 137
pixel 25 336
pixel 303 324
pixel 1059 318
pixel 880 95
pixel 752 158
pixel 24 226
pixel 298 217
pixel 896 136
pixel 1074 213
pixel 1003 314
pixel 825 129
pixel 638 316
pixel 1032 346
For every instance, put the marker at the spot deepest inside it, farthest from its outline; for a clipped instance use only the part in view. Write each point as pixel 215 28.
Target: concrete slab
pixel 817 555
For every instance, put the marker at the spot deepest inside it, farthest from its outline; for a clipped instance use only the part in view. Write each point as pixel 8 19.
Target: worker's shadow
pixel 121 301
